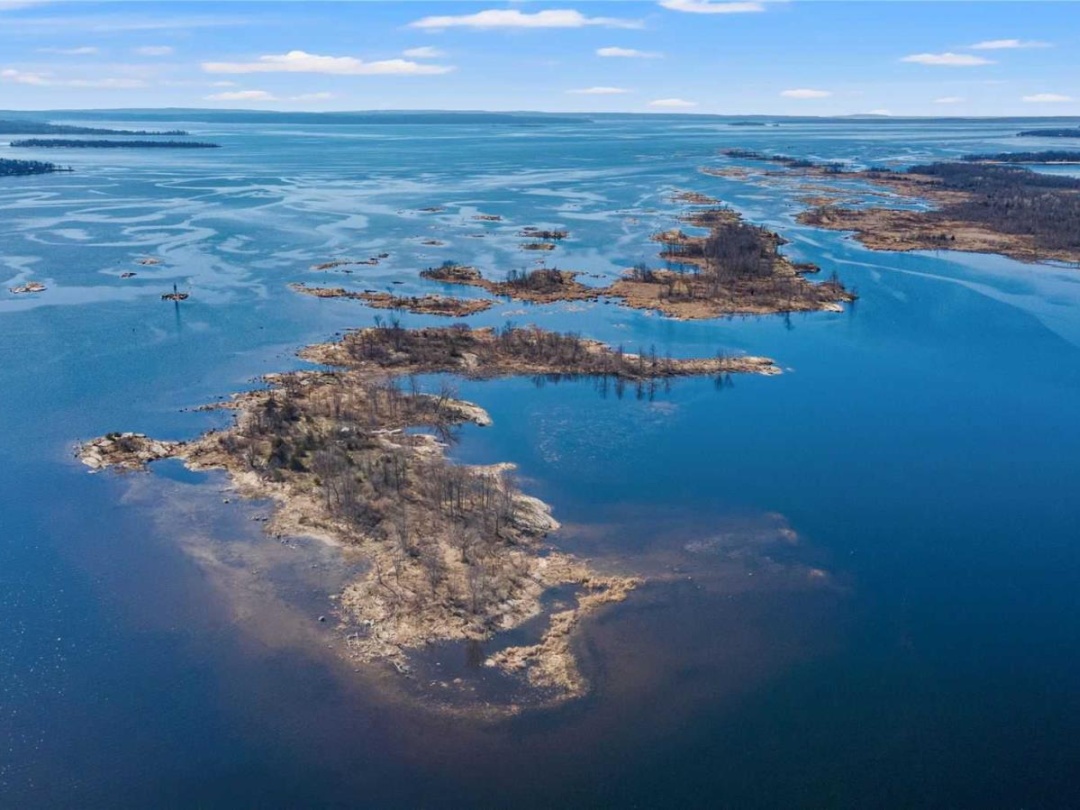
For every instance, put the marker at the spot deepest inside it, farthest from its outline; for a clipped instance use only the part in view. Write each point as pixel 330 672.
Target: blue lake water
pixel 863 572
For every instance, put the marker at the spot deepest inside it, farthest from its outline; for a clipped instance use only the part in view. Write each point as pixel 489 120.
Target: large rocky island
pixel 450 552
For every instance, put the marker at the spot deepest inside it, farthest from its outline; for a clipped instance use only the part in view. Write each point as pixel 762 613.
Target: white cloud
pixel 48 80
pixel 948 100
pixel 323 96
pixel 947 59
pixel 806 92
pixel 155 50
pixel 672 103
pixel 302 62
pixel 599 91
pixel 627 53
pixel 13 5
pixel 1008 44
pixel 242 95
pixel 1046 98
pixel 223 84
pixel 513 18
pixel 711 7
pixel 425 52
pixel 84 51
pixel 880 112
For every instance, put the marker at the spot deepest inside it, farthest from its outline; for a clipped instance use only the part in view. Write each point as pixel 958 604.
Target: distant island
pixel 1049 133
pixel 368 117
pixel 1049 156
pixel 12 127
pixel 18 168
pixel 981 208
pixel 71 143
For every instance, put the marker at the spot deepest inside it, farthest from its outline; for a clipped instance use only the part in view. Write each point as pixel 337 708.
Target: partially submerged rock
pixel 28 287
pixel 127 451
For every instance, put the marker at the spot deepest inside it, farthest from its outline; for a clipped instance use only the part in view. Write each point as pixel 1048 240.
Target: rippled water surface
pixel 862 573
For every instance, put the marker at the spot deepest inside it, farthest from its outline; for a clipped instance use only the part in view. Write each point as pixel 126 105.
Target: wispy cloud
pixel 711 7
pixel 424 52
pixel 155 50
pixel 627 53
pixel 599 91
pixel 322 96
pixel 302 62
pixel 494 19
pixel 948 100
pixel 806 92
pixel 947 59
pixel 1047 98
pixel 48 80
pixel 242 95
pixel 672 103
pixel 120 23
pixel 1008 44
pixel 86 50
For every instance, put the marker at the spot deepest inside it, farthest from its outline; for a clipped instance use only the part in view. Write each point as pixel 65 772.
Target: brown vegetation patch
pixel 694 198
pixel 540 286
pixel 421 305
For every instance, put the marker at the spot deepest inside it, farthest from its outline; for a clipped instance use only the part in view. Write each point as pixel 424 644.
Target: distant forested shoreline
pixel 1050 133
pixel 12 127
pixel 71 143
pixel 18 168
pixel 1048 156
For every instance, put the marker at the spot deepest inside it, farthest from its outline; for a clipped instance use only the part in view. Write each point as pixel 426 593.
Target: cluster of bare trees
pixel 785 160
pixel 13 168
pixel 507 350
pixel 736 262
pixel 448 532
pixel 451 271
pixel 1047 156
pixel 537 233
pixel 1013 200
pixel 540 280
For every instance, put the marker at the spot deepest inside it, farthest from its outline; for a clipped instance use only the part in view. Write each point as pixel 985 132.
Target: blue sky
pixel 801 57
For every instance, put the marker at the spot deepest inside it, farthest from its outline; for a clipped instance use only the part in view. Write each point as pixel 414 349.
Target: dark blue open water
pixel 864 571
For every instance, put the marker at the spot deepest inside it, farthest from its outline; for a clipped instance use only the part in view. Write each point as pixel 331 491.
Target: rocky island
pixel 450 552
pixel 445 305
pixel 735 268
pixel 979 204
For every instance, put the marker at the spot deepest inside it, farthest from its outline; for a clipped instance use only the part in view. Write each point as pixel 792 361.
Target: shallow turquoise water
pixel 921 449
